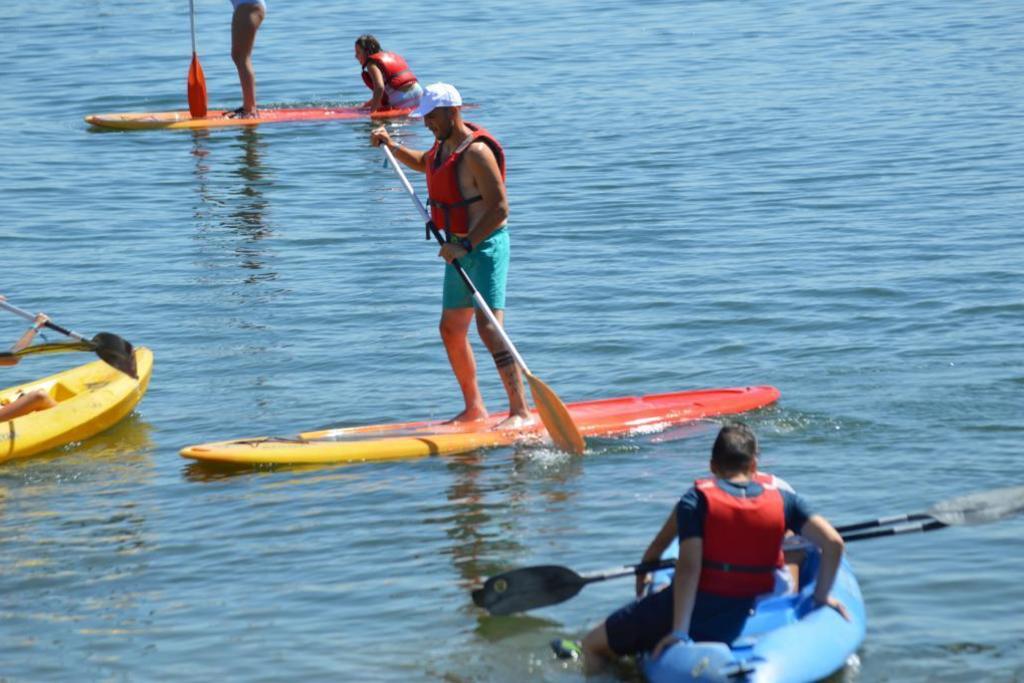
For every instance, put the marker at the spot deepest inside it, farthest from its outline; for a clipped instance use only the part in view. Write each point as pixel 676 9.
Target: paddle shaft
pixel 642 568
pixel 895 530
pixel 477 297
pixel 192 22
pixel 49 323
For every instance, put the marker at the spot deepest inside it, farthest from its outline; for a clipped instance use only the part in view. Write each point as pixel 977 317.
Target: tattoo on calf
pixel 503 359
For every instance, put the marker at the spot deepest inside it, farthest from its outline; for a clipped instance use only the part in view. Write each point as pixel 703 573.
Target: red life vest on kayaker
pixel 742 539
pixel 448 208
pixel 393 68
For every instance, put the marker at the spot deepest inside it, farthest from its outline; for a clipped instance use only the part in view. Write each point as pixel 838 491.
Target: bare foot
pixel 241 113
pixel 514 422
pixel 469 415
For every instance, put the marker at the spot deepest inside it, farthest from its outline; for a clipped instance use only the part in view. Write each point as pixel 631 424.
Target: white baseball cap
pixel 437 95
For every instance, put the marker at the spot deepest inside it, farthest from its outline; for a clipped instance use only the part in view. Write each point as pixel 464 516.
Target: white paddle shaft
pixel 29 316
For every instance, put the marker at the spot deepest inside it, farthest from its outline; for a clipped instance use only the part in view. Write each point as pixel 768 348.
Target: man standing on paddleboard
pixel 465 172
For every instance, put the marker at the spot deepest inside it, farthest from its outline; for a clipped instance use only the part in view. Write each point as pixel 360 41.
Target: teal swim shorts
pixel 487 267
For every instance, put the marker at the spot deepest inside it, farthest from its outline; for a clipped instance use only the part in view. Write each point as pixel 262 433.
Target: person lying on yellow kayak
pixel 33 400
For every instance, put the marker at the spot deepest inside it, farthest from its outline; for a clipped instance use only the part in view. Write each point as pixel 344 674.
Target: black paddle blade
pixel 116 352
pixel 980 508
pixel 524 589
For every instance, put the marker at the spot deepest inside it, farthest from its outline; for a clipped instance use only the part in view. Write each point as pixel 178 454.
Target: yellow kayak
pixel 90 399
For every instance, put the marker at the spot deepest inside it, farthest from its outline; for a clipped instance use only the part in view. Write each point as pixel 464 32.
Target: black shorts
pixel 640 625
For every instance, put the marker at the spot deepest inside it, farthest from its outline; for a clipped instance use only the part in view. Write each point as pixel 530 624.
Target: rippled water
pixel 821 196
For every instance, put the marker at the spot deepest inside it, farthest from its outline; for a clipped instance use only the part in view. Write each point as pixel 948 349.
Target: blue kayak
pixel 784 640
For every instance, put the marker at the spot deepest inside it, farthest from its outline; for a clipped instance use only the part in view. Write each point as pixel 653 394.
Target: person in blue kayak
pixel 730 527
pixel 246 19
pixel 465 172
pixel 33 400
pixel 393 83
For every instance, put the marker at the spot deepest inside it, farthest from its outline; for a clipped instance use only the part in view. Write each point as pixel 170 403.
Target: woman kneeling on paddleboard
pixel 33 400
pixel 730 528
pixel 393 83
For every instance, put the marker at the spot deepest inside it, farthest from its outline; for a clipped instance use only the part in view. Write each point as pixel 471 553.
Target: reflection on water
pixel 546 475
pixel 76 519
pixel 471 525
pixel 486 501
pixel 201 472
pixel 232 202
pixel 493 628
pixel 124 447
pixel 234 263
pixel 249 205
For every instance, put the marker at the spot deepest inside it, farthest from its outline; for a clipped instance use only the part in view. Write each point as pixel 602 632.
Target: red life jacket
pixel 742 539
pixel 448 208
pixel 393 68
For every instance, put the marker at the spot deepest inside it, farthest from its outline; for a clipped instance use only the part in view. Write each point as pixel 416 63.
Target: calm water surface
pixel 822 196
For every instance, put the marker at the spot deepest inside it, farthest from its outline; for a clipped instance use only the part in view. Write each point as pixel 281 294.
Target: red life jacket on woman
pixel 393 68
pixel 448 208
pixel 742 539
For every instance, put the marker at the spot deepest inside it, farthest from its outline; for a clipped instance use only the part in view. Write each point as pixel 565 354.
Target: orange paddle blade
pixel 556 417
pixel 196 89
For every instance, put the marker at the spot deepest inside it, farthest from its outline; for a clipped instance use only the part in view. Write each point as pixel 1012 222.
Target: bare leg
pixel 794 560
pixel 25 404
pixel 244 23
pixel 454 329
pixel 508 370
pixel 596 651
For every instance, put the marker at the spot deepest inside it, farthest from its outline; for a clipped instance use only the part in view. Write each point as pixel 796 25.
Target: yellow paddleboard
pixel 90 399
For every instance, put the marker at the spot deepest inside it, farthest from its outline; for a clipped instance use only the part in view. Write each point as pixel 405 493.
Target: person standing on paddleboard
pixel 33 400
pixel 393 83
pixel 245 21
pixel 465 172
pixel 730 528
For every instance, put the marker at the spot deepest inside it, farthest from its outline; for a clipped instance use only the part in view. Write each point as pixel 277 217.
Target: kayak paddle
pixel 527 588
pixel 974 508
pixel 196 79
pixel 112 349
pixel 552 410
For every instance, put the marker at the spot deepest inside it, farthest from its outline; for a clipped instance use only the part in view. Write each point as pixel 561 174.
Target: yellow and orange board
pixel 217 119
pixel 607 417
